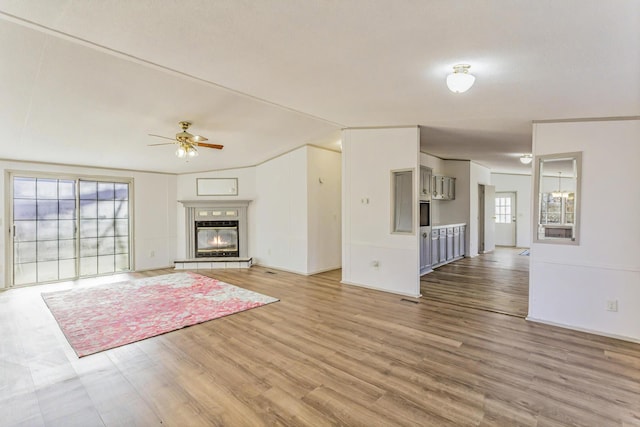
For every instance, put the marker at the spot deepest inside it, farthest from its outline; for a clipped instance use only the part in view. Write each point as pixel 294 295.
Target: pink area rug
pixel 101 317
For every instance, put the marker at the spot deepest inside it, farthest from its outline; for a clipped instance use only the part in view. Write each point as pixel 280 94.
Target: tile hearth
pixel 212 263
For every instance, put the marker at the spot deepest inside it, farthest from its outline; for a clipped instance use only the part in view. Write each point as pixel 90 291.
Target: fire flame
pixel 216 241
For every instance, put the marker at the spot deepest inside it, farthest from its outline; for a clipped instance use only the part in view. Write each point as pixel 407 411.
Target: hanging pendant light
pixel 460 80
pixel 559 192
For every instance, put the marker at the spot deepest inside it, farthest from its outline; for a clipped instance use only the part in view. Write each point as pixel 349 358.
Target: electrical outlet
pixel 152 254
pixel 612 305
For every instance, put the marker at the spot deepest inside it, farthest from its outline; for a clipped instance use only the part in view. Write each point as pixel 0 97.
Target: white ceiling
pixel 84 82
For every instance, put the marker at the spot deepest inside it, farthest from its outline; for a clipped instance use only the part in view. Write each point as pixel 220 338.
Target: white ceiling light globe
pixel 526 159
pixel 460 80
pixel 181 152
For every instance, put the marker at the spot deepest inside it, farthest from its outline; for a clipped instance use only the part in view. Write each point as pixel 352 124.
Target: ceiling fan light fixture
pixel 181 152
pixel 525 159
pixel 460 80
pixel 192 152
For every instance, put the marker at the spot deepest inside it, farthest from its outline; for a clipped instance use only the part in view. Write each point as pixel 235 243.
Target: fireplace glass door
pixel 217 239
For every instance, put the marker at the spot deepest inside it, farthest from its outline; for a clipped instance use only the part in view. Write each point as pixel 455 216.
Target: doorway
pixel 506 218
pixel 486 218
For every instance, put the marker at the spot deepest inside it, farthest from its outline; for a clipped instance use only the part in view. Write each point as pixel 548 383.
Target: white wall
pixel 455 211
pixel 154 199
pixel 186 190
pixel 324 186
pixel 368 158
pixel 521 185
pixel 281 212
pixel 478 174
pixel 570 285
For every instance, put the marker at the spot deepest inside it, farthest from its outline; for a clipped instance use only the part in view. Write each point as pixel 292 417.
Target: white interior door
pixel 505 219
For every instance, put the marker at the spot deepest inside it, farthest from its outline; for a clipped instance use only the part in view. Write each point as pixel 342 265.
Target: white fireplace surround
pixel 215 210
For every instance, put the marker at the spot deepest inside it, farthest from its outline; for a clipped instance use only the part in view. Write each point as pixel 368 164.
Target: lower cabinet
pixel 447 243
pixel 442 245
pixel 456 242
pixel 435 247
pixel 425 250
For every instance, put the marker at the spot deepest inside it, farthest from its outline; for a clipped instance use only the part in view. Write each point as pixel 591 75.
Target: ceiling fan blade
pixel 198 138
pixel 160 136
pixel 216 146
pixel 162 143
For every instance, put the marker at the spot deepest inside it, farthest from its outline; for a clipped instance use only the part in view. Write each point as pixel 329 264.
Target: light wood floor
pixel 326 354
pixel 497 281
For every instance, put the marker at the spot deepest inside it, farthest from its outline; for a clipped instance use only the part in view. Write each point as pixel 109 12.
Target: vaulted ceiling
pixel 85 82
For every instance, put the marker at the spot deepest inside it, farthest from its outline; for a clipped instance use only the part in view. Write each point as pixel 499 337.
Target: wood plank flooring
pixel 497 281
pixel 326 354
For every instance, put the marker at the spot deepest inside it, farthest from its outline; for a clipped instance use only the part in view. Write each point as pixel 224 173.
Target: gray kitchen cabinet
pixel 435 247
pixel 425 183
pixel 449 243
pixel 444 188
pixel 442 245
pixel 425 249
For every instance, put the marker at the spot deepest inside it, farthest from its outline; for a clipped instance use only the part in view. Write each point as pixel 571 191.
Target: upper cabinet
pixel 425 183
pixel 444 188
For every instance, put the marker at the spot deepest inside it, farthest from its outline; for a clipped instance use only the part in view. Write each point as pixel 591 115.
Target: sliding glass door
pixel 67 228
pixel 104 227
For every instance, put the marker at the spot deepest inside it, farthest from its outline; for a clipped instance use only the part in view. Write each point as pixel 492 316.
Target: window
pixel 503 210
pixel 66 228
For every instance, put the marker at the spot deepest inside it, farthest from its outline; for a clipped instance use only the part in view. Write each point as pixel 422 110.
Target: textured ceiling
pixel 84 82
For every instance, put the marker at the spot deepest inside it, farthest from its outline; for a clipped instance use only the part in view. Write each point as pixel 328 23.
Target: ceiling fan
pixel 187 142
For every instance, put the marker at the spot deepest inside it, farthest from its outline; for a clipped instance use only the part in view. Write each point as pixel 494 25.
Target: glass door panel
pixel 68 228
pixel 103 216
pixel 44 232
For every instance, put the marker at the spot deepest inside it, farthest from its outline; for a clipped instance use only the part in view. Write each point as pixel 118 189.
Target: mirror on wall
pixel 217 186
pixel 557 185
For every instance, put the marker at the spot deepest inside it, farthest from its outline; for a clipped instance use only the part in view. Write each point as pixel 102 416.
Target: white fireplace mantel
pixel 215 203
pixel 197 210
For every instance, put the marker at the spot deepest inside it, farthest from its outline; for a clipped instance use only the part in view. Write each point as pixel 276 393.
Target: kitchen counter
pixel 460 224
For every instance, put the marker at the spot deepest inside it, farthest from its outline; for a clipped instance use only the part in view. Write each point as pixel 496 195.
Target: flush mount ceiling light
pixel 526 159
pixel 460 80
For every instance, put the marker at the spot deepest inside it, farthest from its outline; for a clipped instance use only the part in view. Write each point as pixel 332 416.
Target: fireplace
pixel 215 229
pixel 216 239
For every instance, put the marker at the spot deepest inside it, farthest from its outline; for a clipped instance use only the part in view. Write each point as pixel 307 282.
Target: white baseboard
pixel 374 288
pixel 299 272
pixel 324 270
pixel 579 329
